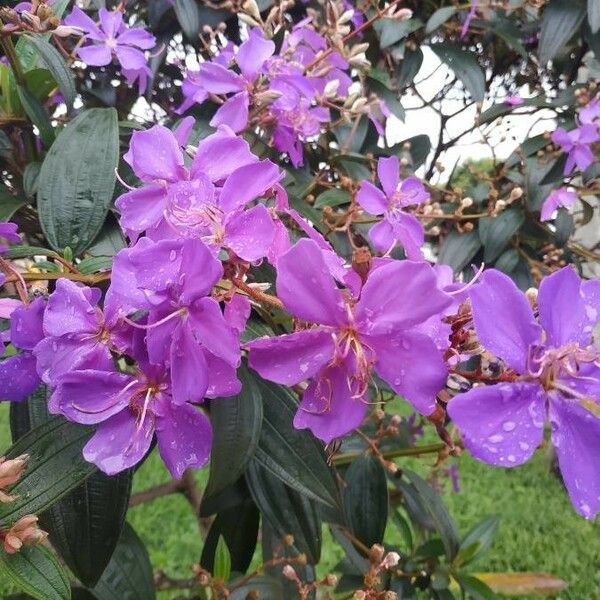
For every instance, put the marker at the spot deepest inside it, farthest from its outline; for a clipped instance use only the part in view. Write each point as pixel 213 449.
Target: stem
pixel 256 294
pixel 13 59
pixel 91 279
pixel 347 458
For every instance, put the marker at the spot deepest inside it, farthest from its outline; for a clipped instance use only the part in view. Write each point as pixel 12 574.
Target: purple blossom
pixel 112 38
pixel 353 335
pixel 576 143
pixel 129 409
pixel 590 114
pixel 515 100
pixel 186 331
pixel 396 225
pixel 561 197
pixel 18 374
pixel 207 200
pixel 557 377
pixel 470 16
pixel 8 233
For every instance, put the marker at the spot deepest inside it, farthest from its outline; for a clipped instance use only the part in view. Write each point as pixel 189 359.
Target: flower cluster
pixel 291 91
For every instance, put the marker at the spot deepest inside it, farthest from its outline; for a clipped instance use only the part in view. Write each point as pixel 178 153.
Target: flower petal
pixel 91 396
pixel 372 199
pixel 250 233
pixel 217 79
pixel 234 113
pixel 292 358
pixel 141 209
pixel 69 311
pixel 576 437
pixel 222 378
pixel 253 53
pixel 95 55
pixel 130 58
pixel 184 437
pixel 26 324
pixel 200 271
pixel 409 232
pixel 412 366
pixel 18 377
pixel 189 374
pixel 306 287
pixel 154 154
pixel 118 444
pixel 562 307
pixel 399 295
pixel 248 183
pixel 328 407
pixel 503 319
pixel 136 36
pixel 501 424
pixel 388 171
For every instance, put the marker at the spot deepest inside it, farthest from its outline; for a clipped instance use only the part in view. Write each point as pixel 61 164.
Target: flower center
pixel 191 207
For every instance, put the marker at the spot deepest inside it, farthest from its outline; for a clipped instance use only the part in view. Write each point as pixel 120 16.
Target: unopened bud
pixel 289 573
pixel 251 8
pixel 25 532
pixel 532 295
pixel 359 595
pixel 391 560
pixel 500 205
pixel 376 553
pixel 515 194
pixel 347 16
pixel 288 540
pixel 331 580
pixel 466 202
pixel 404 14
pixel 12 469
pixel 65 31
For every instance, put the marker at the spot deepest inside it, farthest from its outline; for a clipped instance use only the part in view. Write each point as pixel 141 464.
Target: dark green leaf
pixel 332 197
pixel 594 15
pixel 37 114
pixel 28 251
pixel 129 573
pixel 556 172
pixel 465 67
pixel 475 588
pixel 287 511
pixel 459 248
pixel 77 180
pixel 110 239
pixel 565 226
pixel 56 64
pixel 35 571
pixel 30 179
pixel 84 526
pixel 413 59
pixel 507 261
pixel 439 17
pixel 481 537
pixel 93 264
pixel 9 204
pixel 188 16
pixel 391 31
pixel 438 512
pixel 366 499
pixel 267 588
pixel 236 423
pixel 293 455
pixel 560 20
pixel 238 526
pixel 56 467
pixel 496 232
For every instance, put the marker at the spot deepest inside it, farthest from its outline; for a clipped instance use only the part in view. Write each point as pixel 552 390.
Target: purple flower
pixel 590 114
pixel 129 409
pixel 18 374
pixel 557 376
pixel 8 233
pixel 112 38
pixel 576 143
pixel 208 200
pixel 561 197
pixel 76 335
pixel 185 329
pixel 470 16
pixel 396 225
pixel 514 100
pixel 353 336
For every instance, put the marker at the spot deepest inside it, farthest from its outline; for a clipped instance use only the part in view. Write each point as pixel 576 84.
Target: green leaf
pixel 366 499
pixel 594 15
pixel 496 232
pixel 37 115
pixel 94 264
pixel 475 588
pixel 238 527
pixel 77 180
pixel 128 575
pixel 507 262
pixel 465 67
pixel 236 423
pixel 287 511
pixel 56 467
pixel 9 204
pixel 391 31
pixel 565 226
pixel 31 178
pixel 56 64
pixel 29 251
pixel 410 66
pixel 439 17
pixel 110 239
pixel 84 527
pixel 188 16
pixel 35 571
pixel 332 197
pixel 293 455
pixel 389 95
pixel 459 248
pixel 222 562
pixel 560 20
pixel 439 514
pixel 478 540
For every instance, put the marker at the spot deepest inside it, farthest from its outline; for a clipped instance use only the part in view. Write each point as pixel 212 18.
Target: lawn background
pixel 539 531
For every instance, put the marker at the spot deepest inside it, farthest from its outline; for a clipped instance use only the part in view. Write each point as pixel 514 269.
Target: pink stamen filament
pixel 177 313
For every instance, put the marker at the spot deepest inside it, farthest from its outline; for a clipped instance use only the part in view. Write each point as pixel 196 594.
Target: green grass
pixel 539 530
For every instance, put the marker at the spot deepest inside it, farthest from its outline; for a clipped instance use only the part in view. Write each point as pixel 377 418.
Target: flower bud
pixel 12 469
pixel 404 14
pixel 25 532
pixel 331 580
pixel 289 573
pixel 377 552
pixel 251 8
